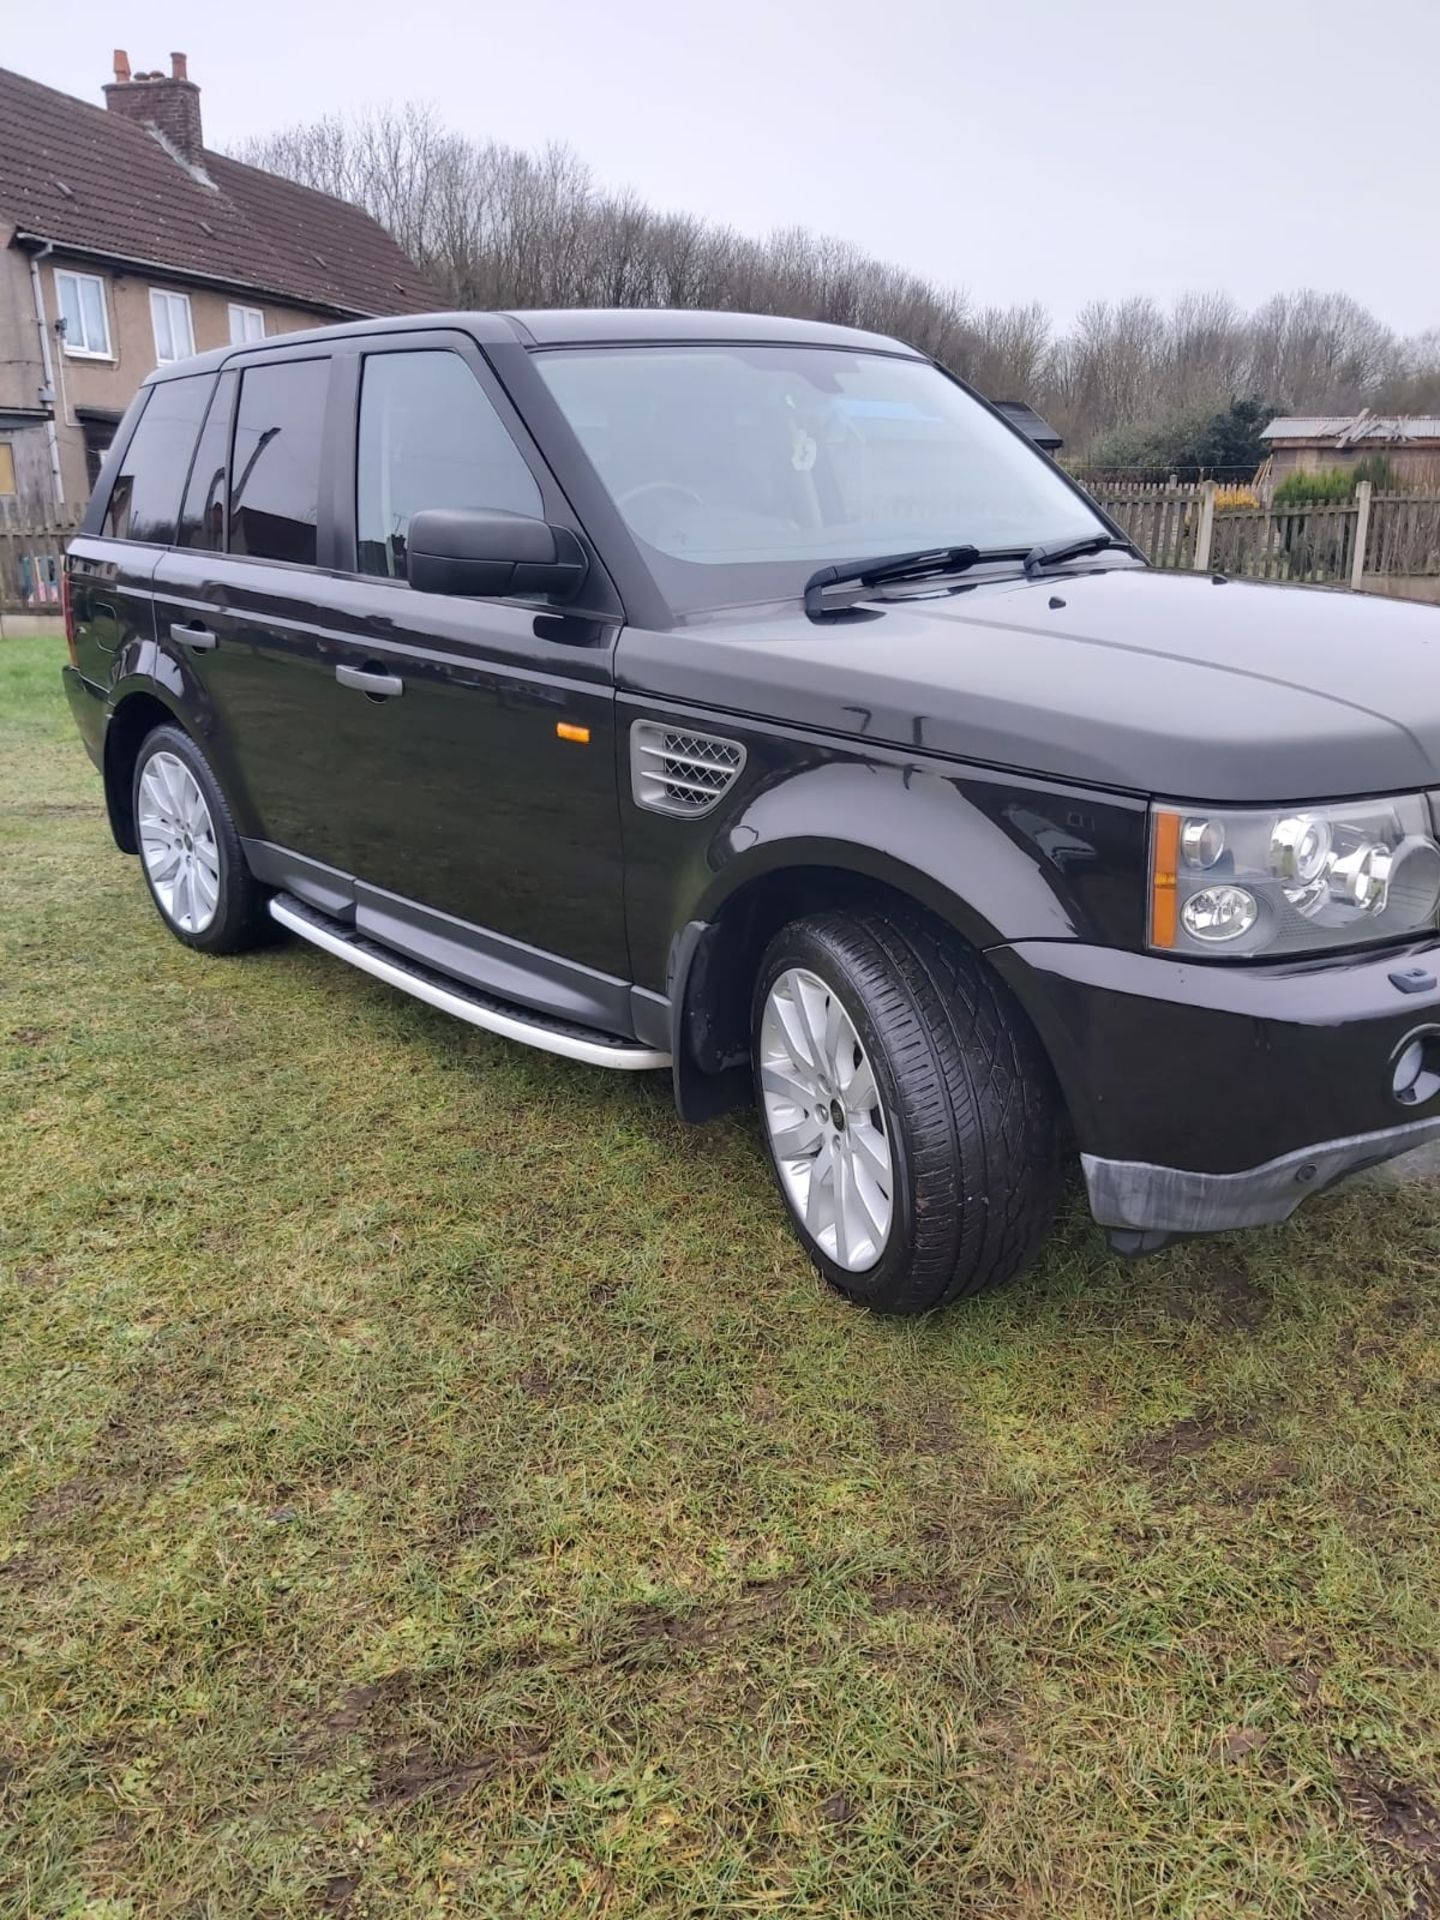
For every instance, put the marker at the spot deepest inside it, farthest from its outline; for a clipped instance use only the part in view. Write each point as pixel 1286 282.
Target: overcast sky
pixel 1059 150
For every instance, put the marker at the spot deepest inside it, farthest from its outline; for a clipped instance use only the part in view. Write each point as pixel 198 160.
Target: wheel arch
pixel 133 718
pixel 714 959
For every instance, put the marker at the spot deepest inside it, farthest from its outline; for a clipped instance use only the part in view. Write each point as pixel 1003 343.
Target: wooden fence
pixel 32 552
pixel 1376 536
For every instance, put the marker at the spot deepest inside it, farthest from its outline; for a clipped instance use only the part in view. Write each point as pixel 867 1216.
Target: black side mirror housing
pixel 450 550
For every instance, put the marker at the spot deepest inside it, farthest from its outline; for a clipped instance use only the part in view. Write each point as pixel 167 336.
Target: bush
pixel 1379 472
pixel 1322 489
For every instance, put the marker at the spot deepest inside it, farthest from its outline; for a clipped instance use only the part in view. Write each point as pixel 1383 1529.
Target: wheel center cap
pixel 837 1116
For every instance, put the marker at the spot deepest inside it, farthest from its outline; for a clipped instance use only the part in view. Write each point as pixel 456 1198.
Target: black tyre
pixel 190 852
pixel 909 1110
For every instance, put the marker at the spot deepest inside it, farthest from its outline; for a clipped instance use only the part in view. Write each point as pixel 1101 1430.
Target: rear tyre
pixel 909 1110
pixel 190 851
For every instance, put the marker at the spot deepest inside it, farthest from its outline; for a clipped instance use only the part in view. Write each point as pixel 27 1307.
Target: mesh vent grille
pixel 674 771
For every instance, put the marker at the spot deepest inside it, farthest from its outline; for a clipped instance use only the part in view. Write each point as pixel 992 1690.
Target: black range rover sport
pixel 746 697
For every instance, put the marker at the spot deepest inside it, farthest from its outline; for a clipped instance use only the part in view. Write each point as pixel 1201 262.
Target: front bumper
pixel 1206 1097
pixel 1134 1196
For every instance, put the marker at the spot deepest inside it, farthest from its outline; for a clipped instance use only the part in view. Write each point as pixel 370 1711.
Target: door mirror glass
pixel 494 554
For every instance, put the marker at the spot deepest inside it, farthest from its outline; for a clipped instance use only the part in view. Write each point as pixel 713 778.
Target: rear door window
pixel 275 465
pixel 202 519
pixel 429 437
pixel 144 501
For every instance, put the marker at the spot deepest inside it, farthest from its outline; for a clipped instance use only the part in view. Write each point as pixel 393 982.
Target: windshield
pixel 742 469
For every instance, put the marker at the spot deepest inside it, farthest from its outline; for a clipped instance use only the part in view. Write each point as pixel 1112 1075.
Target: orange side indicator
pixel 565 730
pixel 1163 875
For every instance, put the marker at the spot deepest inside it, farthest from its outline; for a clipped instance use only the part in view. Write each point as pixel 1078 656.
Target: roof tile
pixel 95 181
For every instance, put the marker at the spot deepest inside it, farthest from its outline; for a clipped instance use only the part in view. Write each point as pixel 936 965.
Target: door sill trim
pixel 462 1002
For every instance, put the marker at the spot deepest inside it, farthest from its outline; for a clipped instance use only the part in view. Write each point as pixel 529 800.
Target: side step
pixel 465 1003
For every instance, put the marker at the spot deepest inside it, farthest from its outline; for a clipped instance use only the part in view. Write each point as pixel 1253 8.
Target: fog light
pixel 1219 913
pixel 1416 1077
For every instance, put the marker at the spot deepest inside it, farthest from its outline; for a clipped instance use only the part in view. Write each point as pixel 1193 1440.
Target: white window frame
pixel 242 316
pixel 160 301
pixel 82 350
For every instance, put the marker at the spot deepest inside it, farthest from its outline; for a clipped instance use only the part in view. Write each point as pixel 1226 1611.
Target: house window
pixel 170 316
pixel 7 468
pixel 81 299
pixel 246 323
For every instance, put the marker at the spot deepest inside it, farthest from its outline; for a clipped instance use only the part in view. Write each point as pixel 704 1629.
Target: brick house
pixel 125 242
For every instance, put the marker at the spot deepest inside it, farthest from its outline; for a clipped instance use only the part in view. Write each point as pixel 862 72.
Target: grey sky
pixel 1022 149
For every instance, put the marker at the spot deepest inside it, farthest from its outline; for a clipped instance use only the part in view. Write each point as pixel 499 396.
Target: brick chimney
pixel 170 104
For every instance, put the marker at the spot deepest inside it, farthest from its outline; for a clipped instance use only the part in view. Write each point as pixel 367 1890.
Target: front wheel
pixel 909 1110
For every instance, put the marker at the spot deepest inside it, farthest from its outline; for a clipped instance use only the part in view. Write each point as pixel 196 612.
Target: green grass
pixel 434 1484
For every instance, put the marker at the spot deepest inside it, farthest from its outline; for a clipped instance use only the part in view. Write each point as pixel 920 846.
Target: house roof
pixel 1344 430
pixel 1020 414
pixel 95 182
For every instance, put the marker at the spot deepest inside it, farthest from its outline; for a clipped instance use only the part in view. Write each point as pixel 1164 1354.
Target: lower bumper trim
pixel 1134 1195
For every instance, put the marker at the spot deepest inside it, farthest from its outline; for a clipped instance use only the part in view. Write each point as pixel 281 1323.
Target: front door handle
pixel 196 636
pixel 380 686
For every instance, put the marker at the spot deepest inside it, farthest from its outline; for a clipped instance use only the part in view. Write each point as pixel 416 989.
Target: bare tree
pixel 497 227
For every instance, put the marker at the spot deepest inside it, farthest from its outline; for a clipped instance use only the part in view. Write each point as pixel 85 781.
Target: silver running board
pixel 462 1002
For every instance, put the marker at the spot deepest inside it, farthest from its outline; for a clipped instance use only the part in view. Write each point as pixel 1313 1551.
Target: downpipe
pixel 48 367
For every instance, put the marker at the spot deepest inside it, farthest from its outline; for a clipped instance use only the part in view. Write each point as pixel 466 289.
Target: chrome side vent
pixel 675 771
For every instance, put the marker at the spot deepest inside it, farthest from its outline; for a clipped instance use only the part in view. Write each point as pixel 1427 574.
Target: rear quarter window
pixel 144 501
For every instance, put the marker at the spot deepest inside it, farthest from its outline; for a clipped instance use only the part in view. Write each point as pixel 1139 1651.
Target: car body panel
pixel 1124 678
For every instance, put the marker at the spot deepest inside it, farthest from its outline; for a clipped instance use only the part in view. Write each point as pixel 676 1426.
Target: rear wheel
pixel 190 851
pixel 908 1108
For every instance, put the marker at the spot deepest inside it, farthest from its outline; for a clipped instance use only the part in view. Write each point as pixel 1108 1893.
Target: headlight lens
pixel 1267 882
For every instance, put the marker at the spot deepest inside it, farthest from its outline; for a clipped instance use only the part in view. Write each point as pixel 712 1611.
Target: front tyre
pixel 190 851
pixel 908 1108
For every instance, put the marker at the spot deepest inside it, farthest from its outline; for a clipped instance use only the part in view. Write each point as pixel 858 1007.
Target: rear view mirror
pixel 448 550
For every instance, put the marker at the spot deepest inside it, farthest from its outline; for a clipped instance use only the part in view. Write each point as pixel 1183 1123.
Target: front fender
pixel 998 858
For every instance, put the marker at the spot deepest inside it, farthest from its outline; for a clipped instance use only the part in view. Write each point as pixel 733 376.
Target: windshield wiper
pixel 1051 554
pixel 928 565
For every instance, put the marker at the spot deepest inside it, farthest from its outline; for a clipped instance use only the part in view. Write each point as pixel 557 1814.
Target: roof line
pixel 228 283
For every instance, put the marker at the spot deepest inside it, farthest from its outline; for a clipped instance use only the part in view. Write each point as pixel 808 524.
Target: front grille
pixel 673 771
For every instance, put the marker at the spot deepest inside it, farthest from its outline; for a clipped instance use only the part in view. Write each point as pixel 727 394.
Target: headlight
pixel 1290 880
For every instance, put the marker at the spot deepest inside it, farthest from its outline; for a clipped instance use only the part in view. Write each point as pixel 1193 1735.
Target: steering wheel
pixel 626 500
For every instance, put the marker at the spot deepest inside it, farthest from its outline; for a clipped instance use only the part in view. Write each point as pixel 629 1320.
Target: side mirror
pixel 450 550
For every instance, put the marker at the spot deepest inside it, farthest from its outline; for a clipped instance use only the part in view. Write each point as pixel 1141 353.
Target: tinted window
pixel 145 499
pixel 429 438
pixel 275 467
pixel 202 520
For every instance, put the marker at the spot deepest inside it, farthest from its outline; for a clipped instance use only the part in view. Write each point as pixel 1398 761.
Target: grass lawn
pixel 435 1484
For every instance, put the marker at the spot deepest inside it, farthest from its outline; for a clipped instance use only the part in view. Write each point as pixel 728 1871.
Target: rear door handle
pixel 383 686
pixel 198 637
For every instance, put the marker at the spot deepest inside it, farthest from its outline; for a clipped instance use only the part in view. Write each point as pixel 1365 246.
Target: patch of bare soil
pixel 403 1779
pixel 642 1632
pixel 1402 1824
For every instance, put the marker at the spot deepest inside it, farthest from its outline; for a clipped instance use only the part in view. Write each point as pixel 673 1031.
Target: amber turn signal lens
pixel 1165 861
pixel 564 730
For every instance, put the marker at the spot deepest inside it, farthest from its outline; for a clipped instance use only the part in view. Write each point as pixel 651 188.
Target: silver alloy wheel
pixel 826 1125
pixel 177 843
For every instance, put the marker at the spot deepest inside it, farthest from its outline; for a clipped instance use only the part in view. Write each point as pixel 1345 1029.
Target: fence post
pixel 1205 533
pixel 1362 533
